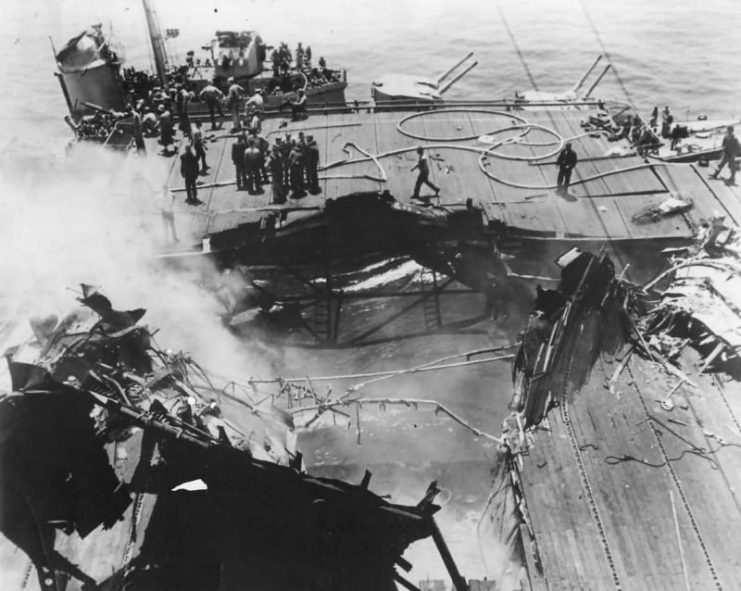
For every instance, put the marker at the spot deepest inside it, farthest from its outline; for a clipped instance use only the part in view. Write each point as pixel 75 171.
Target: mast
pixel 158 42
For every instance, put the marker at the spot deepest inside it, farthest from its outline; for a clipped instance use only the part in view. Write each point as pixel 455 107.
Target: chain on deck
pixel 680 490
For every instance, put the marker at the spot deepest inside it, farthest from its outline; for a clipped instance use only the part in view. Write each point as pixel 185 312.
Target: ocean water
pixel 666 52
pixel 677 53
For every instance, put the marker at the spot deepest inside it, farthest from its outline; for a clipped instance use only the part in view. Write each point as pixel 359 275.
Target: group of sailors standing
pixel 292 163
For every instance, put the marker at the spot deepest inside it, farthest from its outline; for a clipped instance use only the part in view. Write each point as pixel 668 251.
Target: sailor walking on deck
pixel 212 96
pixel 731 150
pixel 566 162
pixel 189 172
pixel 423 165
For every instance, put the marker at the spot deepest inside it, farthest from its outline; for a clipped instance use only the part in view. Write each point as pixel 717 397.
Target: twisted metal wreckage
pixel 595 318
pixel 105 429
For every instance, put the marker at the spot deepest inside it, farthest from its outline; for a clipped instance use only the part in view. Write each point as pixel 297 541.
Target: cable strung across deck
pixel 524 128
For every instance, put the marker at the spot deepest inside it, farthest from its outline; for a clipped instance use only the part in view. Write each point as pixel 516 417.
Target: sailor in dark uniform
pixel 423 165
pixel 311 161
pixel 566 163
pixel 296 168
pixel 189 171
pixel 276 173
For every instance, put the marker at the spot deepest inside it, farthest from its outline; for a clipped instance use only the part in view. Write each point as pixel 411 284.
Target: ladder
pixel 322 307
pixel 431 302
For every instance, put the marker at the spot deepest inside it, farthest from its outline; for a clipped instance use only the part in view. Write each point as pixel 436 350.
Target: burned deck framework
pixel 611 487
pixel 510 178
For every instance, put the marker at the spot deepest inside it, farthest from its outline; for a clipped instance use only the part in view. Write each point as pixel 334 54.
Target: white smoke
pixel 93 218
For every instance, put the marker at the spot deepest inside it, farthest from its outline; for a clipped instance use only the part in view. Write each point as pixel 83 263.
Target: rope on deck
pixel 490 151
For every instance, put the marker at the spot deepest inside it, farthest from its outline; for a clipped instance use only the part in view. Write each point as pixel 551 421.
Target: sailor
pixel 566 162
pixel 262 144
pixel 257 102
pixel 238 149
pixel 666 122
pixel 311 157
pixel 301 142
pixel 149 123
pixel 635 130
pixel 654 123
pixel 276 172
pixel 285 150
pixel 182 101
pixel 285 59
pixel 137 130
pixel 166 204
pixel 307 56
pixel 730 152
pixel 200 148
pixel 254 125
pixel 298 106
pixel 423 165
pixel 212 96
pixel 234 97
pixel 295 167
pixel 189 172
pixel 275 58
pixel 166 131
pixel 299 57
pixel 252 164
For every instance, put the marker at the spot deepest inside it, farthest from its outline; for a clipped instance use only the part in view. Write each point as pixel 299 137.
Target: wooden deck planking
pixel 542 216
pixel 456 172
pixel 686 182
pixel 340 130
pixel 709 410
pixel 673 226
pixel 398 168
pixel 698 479
pixel 586 147
pixel 728 197
pixel 632 497
pixel 494 187
pixel 638 518
pixel 594 214
pixel 554 496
